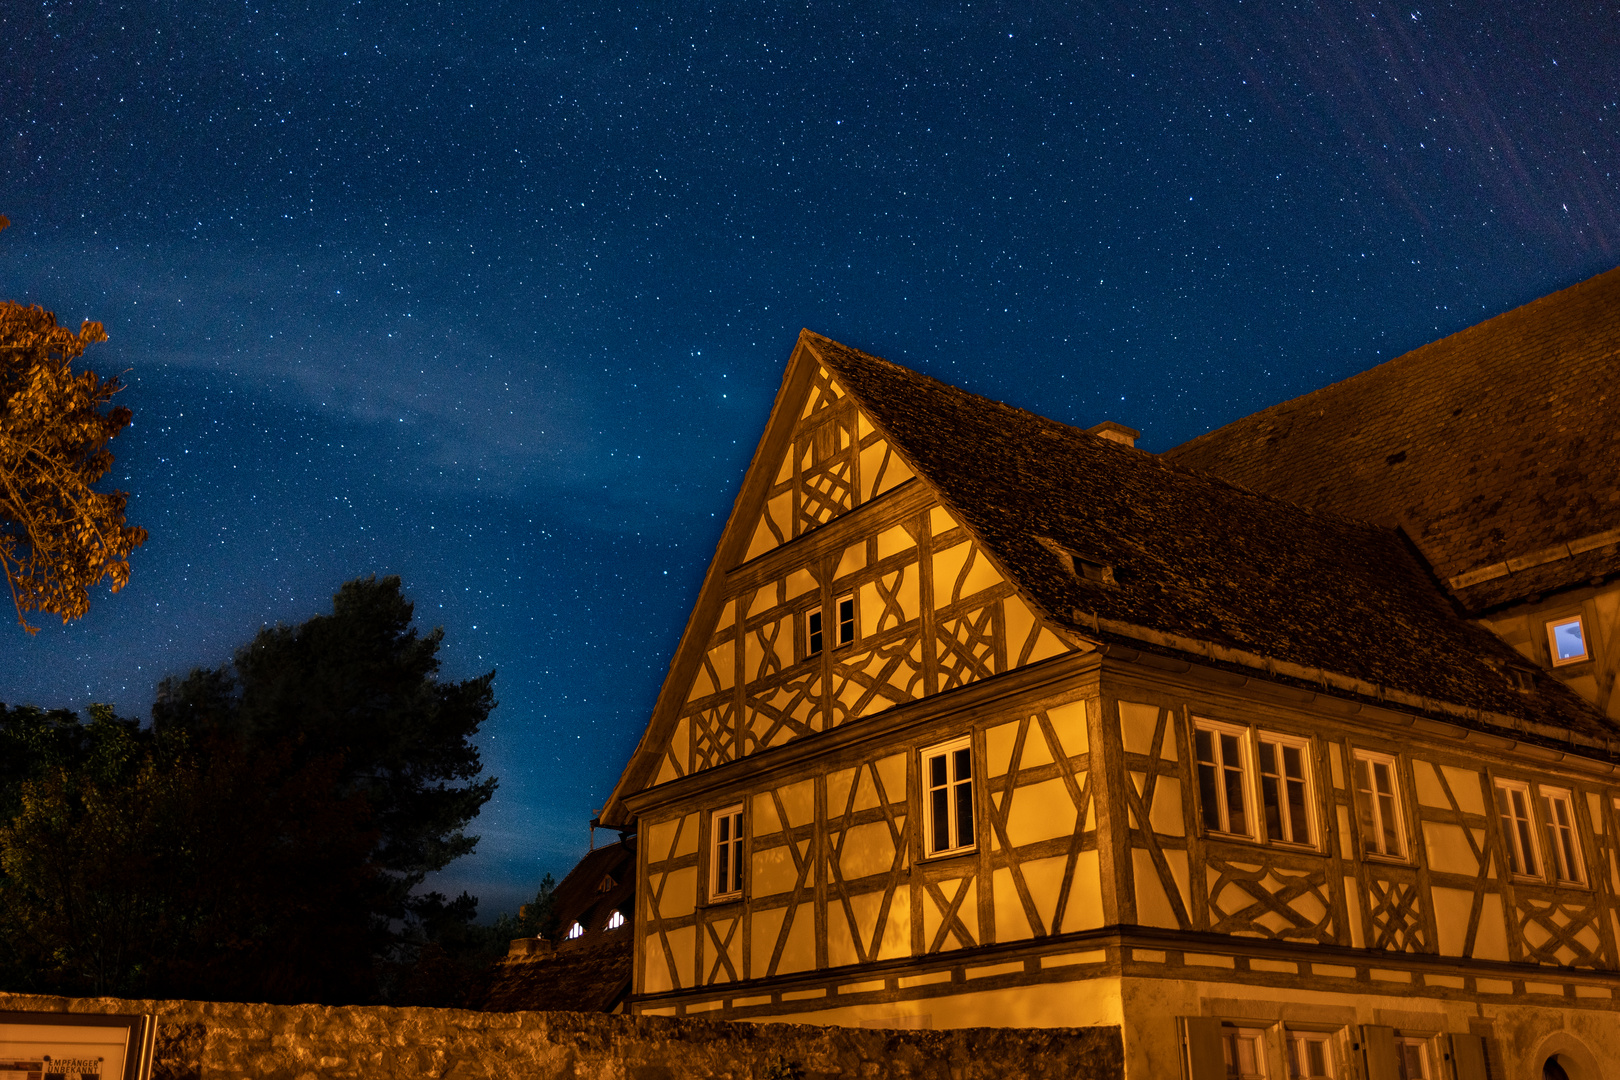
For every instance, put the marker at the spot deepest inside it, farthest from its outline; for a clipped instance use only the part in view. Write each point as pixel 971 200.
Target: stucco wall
pixel 215 1041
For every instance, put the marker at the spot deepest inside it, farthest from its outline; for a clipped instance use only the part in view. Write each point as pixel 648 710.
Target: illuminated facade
pixel 984 720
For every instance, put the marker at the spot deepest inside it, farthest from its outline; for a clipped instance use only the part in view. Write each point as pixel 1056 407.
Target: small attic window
pixel 607 884
pixel 575 931
pixel 1567 638
pixel 1082 567
pixel 615 920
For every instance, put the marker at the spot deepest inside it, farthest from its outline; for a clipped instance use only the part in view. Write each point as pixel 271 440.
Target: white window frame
pixel 1245 768
pixel 1285 813
pixel 1552 641
pixel 1372 846
pixel 815 635
pixel 953 782
pixel 1294 1040
pixel 726 854
pixel 1521 833
pixel 1231 1035
pixel 844 631
pixel 1425 1058
pixel 1565 863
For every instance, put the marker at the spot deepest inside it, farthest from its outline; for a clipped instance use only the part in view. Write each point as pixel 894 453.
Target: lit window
pixel 812 636
pixel 1518 832
pixel 1284 789
pixel 1310 1055
pixel 726 854
pixel 615 920
pixel 846 619
pixel 948 799
pixel 1378 806
pixel 1563 848
pixel 1412 1057
pixel 1223 777
pixel 575 931
pixel 1567 637
pixel 1244 1052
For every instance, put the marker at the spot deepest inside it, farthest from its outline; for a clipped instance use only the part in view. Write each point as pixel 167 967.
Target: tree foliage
pixel 265 837
pixel 58 535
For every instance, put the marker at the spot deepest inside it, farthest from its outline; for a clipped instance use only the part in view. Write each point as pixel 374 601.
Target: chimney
pixel 1116 433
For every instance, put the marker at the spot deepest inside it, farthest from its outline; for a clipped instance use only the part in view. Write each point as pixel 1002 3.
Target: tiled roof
pixel 1192 556
pixel 1495 443
pixel 590 973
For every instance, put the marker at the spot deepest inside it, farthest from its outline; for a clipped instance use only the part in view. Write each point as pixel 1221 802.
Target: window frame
pixel 1248 773
pixel 1572 833
pixel 1297 1068
pixel 839 624
pixel 948 750
pixel 1232 1032
pixel 815 635
pixel 1579 619
pixel 1504 788
pixel 1312 841
pixel 724 892
pixel 1425 1048
pixel 1250 737
pixel 1373 758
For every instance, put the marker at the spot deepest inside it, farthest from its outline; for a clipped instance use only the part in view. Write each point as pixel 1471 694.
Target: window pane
pixel 1298 817
pixel 1569 640
pixel 1392 838
pixel 1207 796
pixel 722 875
pixel 1271 798
pixel 1366 816
pixel 1316 1057
pixel 964 814
pixel 815 633
pixel 724 825
pixel 1268 758
pixel 1237 816
pixel 1293 760
pixel 940 798
pixel 963 764
pixel 936 771
pixel 846 620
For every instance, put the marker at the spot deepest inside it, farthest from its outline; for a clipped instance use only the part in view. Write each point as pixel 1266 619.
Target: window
pixel 726 854
pixel 1518 832
pixel 575 931
pixel 1412 1057
pixel 1567 638
pixel 812 632
pixel 1244 1051
pixel 845 609
pixel 1284 790
pixel 948 797
pixel 1222 771
pixel 1378 806
pixel 615 920
pixel 1563 848
pixel 1310 1055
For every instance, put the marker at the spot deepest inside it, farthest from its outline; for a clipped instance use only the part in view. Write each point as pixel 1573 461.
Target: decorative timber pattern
pixel 836 876
pixel 837 462
pixel 908 605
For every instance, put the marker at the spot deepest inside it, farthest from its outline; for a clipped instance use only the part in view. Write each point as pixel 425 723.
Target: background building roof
pixel 1497 449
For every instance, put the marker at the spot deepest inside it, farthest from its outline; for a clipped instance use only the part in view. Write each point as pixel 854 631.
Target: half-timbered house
pixel 981 719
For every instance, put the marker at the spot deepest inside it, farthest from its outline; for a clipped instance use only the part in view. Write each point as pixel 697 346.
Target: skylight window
pixel 1567 637
pixel 575 931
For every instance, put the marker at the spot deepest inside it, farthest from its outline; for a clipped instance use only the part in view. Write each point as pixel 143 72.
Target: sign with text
pixel 75 1046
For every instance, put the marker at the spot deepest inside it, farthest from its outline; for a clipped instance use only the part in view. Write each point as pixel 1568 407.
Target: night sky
pixel 496 296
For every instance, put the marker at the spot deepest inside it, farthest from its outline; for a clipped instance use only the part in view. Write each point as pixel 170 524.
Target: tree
pixel 58 535
pixel 265 837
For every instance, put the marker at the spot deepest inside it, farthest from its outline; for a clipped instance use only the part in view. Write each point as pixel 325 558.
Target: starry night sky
pixel 496 296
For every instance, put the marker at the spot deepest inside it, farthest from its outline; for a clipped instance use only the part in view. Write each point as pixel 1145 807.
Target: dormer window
pixel 575 931
pixel 615 920
pixel 607 884
pixel 1567 639
pixel 1081 566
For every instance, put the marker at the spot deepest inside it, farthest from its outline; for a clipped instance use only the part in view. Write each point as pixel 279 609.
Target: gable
pixel 831 511
pixel 835 462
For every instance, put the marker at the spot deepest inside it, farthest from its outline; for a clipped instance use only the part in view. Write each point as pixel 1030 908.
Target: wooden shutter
pixel 1378 1050
pixel 1468 1057
pixel 1205 1059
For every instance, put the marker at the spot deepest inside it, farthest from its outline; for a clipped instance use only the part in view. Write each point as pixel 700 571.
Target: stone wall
pixel 220 1040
